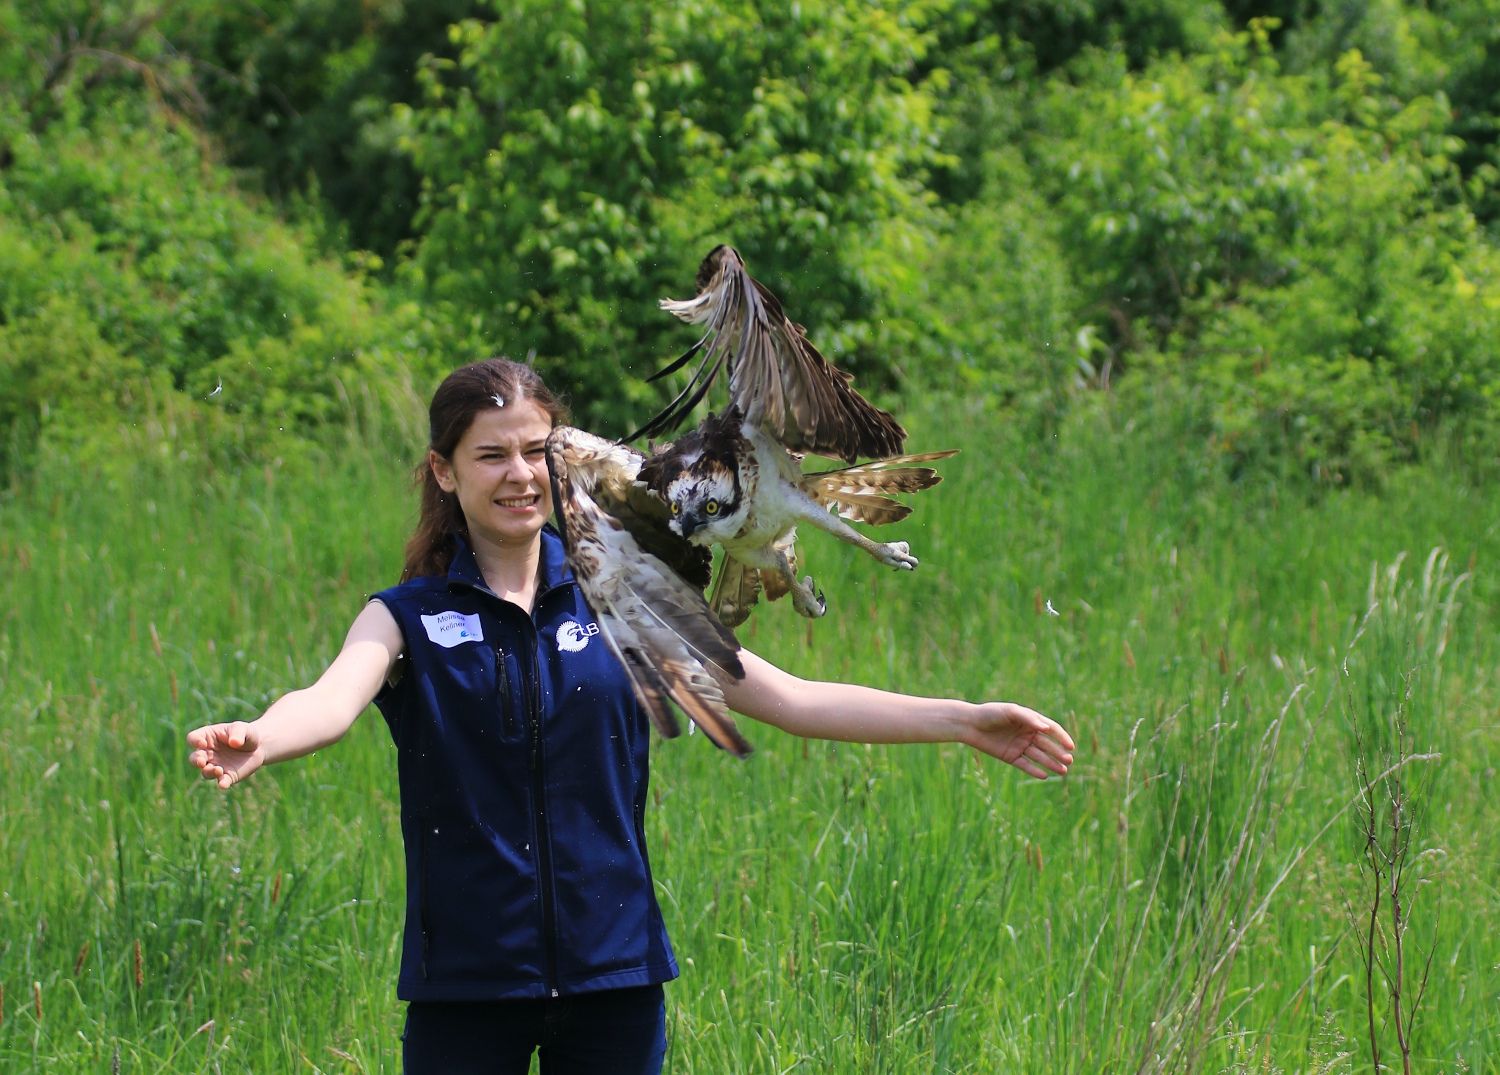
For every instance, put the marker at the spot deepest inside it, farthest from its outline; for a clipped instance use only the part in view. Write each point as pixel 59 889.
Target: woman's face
pixel 498 471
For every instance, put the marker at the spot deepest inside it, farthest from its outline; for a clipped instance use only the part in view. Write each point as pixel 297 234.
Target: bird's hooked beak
pixel 689 523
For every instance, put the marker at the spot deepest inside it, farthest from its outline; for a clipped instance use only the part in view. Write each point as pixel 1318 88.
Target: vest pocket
pixel 509 722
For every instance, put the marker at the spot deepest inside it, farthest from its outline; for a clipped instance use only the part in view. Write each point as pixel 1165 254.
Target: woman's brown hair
pixel 463 394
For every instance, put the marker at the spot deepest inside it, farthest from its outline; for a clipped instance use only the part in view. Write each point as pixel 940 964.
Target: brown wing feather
pixel 776 376
pixel 656 623
pixel 859 493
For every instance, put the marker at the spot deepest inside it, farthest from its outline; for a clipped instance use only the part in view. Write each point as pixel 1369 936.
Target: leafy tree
pixel 1054 32
pixel 70 58
pixel 1474 90
pixel 577 160
pixel 136 280
pixel 1450 47
pixel 1284 244
pixel 301 93
pixel 1282 228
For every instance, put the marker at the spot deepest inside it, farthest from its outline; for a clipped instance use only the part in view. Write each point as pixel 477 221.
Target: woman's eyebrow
pixel 531 446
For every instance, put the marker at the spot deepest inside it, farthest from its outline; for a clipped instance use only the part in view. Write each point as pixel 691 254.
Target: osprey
pixel 737 479
pixel 645 584
pixel 727 483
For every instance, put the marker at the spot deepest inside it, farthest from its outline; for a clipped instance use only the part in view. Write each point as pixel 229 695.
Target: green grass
pixel 1183 901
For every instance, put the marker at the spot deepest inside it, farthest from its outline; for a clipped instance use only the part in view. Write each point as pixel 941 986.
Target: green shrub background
pixel 1286 220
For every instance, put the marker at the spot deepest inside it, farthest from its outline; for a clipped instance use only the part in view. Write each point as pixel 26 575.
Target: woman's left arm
pixel 1033 743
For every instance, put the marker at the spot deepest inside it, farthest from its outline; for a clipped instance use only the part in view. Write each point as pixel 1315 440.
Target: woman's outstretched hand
pixel 226 753
pixel 1035 744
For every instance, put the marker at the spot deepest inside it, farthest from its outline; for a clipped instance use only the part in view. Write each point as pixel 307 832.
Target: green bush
pixel 1293 246
pixel 1188 176
pixel 1283 227
pixel 997 306
pixel 131 269
pixel 578 160
pixel 300 94
pixel 1385 331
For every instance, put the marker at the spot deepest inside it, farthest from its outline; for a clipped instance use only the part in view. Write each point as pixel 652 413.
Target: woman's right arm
pixel 306 720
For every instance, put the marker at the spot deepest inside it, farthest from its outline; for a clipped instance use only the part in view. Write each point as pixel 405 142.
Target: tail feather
pixel 735 592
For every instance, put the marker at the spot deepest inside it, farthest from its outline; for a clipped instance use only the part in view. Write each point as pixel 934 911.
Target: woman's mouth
pixel 518 501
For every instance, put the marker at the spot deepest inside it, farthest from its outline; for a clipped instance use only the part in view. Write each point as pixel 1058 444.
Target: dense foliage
pixel 1285 223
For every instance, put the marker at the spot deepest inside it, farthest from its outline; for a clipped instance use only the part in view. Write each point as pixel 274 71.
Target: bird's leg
pixel 896 554
pixel 778 564
pixel 806 598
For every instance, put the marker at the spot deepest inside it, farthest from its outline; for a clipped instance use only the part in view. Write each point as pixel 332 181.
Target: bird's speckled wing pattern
pixel 858 493
pixel 634 571
pixel 777 378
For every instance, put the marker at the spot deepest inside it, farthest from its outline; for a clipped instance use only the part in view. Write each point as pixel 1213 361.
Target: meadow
pixel 1231 656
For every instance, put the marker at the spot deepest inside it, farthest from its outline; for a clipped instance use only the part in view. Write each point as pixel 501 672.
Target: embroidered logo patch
pixel 449 629
pixel 572 637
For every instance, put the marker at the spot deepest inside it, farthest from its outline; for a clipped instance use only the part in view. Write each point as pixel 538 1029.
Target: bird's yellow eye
pixel 676 507
pixel 712 507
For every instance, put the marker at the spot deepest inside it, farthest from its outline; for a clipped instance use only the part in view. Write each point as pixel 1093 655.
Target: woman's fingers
pixel 1029 767
pixel 222 751
pixel 1053 749
pixel 1054 733
pixel 1047 759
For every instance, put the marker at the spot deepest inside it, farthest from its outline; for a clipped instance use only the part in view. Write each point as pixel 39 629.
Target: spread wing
pixel 646 586
pixel 861 493
pixel 776 376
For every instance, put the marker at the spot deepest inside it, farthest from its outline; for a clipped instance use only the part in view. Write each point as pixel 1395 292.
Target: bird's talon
pixel 898 555
pixel 809 599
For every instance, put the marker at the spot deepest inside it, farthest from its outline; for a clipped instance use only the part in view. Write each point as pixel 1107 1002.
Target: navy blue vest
pixel 523 765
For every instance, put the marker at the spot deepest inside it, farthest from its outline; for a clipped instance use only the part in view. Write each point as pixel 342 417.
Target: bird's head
pixel 706 503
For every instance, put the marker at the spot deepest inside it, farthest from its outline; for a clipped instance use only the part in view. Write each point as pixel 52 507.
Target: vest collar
pixel 553 569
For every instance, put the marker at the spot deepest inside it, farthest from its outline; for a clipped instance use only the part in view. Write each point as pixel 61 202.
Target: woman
pixel 531 919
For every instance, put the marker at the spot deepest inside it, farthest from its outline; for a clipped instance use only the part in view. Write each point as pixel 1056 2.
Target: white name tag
pixel 449 629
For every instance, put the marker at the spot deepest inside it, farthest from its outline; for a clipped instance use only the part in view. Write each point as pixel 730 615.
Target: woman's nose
pixel 518 468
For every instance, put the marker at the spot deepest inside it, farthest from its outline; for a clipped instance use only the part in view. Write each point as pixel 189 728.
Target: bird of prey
pixel 728 483
pixel 645 584
pixel 737 479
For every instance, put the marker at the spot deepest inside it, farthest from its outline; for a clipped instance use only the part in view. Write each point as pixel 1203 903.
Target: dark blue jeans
pixel 614 1032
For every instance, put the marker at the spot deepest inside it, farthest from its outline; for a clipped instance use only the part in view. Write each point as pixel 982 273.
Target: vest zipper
pixel 543 835
pixel 532 698
pixel 502 692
